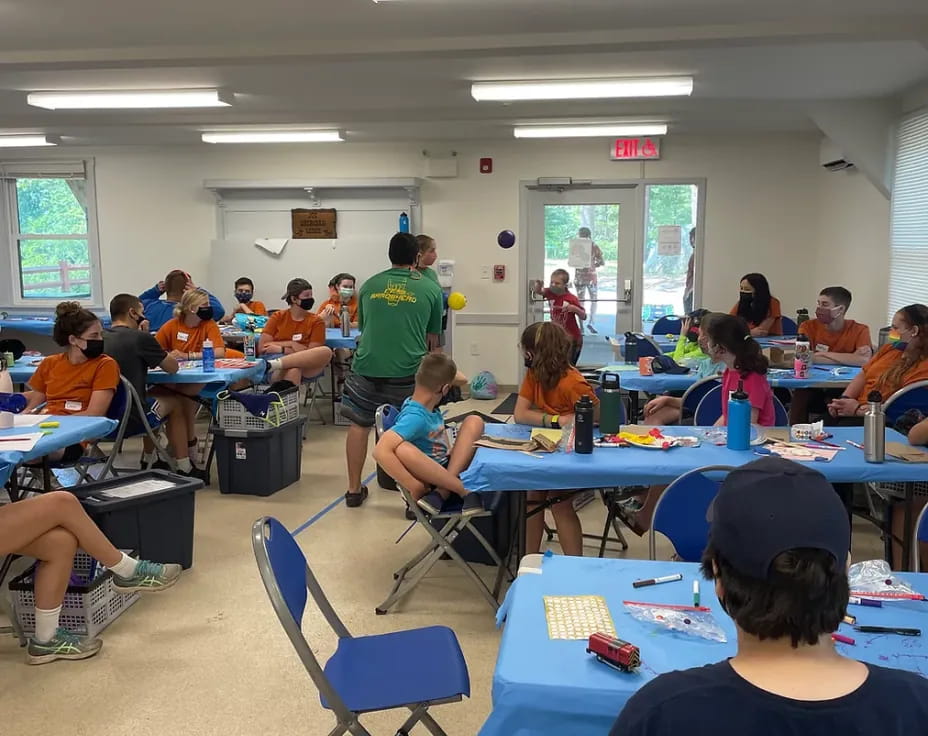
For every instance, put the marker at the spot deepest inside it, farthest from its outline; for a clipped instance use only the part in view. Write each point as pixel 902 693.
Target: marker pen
pixel 854 600
pixel 842 638
pixel 658 581
pixel 696 593
pixel 902 631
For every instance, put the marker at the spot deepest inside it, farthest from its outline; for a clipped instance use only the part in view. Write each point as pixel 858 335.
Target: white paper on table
pixel 272 245
pixel 29 420
pixel 139 488
pixel 669 240
pixel 580 253
pixel 19 442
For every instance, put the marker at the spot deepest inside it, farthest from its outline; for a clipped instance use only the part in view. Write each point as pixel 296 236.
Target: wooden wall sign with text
pixel 310 224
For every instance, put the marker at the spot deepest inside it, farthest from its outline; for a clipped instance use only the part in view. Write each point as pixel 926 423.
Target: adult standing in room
pixel 587 282
pixel 757 307
pixel 399 314
pixel 689 289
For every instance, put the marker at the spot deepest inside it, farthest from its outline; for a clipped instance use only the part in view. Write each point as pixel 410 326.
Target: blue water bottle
pixel 739 420
pixel 209 357
pixel 404 223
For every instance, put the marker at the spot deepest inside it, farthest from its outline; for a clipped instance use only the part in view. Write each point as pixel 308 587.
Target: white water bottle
pixel 803 359
pixel 249 345
pixel 209 357
pixel 6 387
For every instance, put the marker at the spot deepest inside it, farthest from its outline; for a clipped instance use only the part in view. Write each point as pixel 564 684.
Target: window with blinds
pixel 908 276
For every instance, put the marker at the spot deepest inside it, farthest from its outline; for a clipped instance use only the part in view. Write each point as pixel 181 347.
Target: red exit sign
pixel 636 149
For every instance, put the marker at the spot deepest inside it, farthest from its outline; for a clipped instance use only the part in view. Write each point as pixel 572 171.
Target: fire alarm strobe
pixel 486 166
pixel 499 273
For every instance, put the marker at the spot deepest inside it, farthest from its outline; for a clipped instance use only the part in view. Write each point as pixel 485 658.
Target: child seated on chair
pixel 415 450
pixel 245 303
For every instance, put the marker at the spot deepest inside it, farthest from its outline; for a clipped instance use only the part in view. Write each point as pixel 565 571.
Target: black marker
pixel 888 630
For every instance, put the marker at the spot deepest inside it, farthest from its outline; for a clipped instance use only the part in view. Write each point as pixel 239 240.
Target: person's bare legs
pixel 428 471
pixel 643 516
pixel 463 452
pixel 534 524
pixel 569 531
pixel 55 550
pixel 356 442
pixel 663 417
pixel 799 405
pixel 305 363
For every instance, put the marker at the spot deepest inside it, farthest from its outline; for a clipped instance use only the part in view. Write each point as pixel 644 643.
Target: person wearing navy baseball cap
pixel 778 553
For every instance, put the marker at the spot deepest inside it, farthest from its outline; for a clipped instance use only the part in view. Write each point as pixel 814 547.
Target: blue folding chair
pixel 913 396
pixel 668 325
pixel 680 513
pixel 413 669
pixel 709 409
pixel 694 394
pixel 788 326
pixel 919 534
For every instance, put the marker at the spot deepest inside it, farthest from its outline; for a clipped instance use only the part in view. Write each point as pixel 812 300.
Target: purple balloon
pixel 506 238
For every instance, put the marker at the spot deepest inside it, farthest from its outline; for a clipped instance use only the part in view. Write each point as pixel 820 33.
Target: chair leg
pixel 431 725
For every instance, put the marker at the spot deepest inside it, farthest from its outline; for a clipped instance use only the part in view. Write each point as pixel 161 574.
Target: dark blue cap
pixel 773 505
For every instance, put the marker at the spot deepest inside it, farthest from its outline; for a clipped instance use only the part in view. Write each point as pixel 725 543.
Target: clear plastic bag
pixel 875 579
pixel 696 621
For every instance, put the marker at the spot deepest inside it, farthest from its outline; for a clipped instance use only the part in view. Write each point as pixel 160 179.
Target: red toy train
pixel 614 652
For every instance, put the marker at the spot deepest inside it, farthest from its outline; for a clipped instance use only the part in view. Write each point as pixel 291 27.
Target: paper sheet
pixel 272 245
pixel 554 435
pixel 30 420
pixel 620 367
pixel 577 616
pixel 580 253
pixel 19 442
pixel 139 488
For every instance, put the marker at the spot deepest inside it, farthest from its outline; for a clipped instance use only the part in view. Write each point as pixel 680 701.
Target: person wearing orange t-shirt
pixel 245 301
pixel 297 337
pixel 834 340
pixel 81 380
pixel 757 307
pixel 546 399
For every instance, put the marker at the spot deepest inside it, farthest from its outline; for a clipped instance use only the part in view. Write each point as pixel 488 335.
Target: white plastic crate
pixel 87 608
pixel 233 415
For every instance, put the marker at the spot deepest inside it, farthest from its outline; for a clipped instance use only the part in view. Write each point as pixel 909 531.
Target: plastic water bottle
pixel 610 404
pixel 209 357
pixel 874 429
pixel 249 345
pixel 802 315
pixel 583 426
pixel 631 347
pixel 345 319
pixel 803 359
pixel 404 223
pixel 739 420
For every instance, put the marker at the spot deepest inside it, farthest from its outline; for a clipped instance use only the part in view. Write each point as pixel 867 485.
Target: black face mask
pixel 746 298
pixel 243 297
pixel 93 350
pixel 205 313
pixel 528 361
pixel 307 304
pixel 693 335
pixel 139 319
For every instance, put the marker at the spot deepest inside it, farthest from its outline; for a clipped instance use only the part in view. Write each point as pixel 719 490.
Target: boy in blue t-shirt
pixel 416 450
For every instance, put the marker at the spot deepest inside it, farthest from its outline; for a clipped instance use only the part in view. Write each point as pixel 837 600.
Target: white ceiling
pixel 402 70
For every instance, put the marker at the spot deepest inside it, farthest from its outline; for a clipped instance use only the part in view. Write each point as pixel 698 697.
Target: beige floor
pixel 209 658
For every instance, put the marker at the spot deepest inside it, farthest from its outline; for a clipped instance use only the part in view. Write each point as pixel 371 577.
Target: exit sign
pixel 635 149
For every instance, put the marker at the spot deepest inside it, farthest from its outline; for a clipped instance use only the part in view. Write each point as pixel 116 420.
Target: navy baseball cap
pixel 773 505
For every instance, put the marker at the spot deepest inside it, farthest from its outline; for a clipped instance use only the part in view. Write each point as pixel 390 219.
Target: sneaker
pixel 432 502
pixel 472 504
pixel 150 577
pixel 196 473
pixel 410 514
pixel 631 505
pixel 353 500
pixel 279 387
pixel 64 645
pixel 159 465
pixel 592 329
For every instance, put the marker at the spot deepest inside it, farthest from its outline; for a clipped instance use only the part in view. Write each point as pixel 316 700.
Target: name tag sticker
pixel 821 348
pixel 183 336
pixel 297 337
pixel 73 406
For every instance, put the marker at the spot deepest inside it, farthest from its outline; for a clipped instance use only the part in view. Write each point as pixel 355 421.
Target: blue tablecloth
pixel 507 470
pixel 35 324
pixel 72 430
pixel 334 338
pixel 819 377
pixel 544 686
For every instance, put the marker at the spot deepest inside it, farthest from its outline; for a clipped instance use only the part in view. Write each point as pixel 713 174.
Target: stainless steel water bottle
pixel 583 426
pixel 874 429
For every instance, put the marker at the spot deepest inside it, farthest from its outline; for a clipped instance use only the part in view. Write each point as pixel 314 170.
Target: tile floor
pixel 209 657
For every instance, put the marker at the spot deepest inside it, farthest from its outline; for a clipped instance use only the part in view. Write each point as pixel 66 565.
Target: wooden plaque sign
pixel 309 224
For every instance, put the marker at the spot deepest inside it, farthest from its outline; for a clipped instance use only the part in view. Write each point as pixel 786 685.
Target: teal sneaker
pixel 150 577
pixel 64 645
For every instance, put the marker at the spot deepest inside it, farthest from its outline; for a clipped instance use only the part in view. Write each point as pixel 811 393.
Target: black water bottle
pixel 583 426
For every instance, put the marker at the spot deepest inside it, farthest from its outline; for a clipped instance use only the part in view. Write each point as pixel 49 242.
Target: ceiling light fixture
pixel 582 89
pixel 130 99
pixel 589 131
pixel 27 141
pixel 275 136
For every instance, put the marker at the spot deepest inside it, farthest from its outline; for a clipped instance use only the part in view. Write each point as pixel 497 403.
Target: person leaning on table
pixel 778 554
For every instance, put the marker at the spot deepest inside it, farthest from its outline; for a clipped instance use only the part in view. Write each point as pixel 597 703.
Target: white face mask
pixel 346 292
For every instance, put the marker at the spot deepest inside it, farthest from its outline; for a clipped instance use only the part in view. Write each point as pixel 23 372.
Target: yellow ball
pixel 456 300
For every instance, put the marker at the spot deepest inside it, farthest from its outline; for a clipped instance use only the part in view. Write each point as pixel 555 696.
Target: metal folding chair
pixel 919 534
pixel 670 324
pixel 413 669
pixel 709 409
pixel 441 540
pixel 694 394
pixel 788 325
pixel 313 390
pixel 680 513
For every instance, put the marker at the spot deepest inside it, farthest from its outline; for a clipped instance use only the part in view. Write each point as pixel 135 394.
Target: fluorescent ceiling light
pixel 26 141
pixel 583 89
pixel 589 131
pixel 129 99
pixel 275 136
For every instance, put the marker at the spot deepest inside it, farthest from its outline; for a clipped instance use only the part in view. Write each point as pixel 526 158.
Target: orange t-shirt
pixel 68 387
pixel 336 304
pixel 281 327
pixel 877 366
pixel 852 336
pixel 777 327
pixel 561 399
pixel 175 335
pixel 257 308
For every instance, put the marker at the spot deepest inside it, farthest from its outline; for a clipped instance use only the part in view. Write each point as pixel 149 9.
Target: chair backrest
pixel 709 407
pixel 385 418
pixel 120 404
pixel 287 578
pixel 680 513
pixel 694 394
pixel 789 326
pixel 668 325
pixel 913 396
pixel 781 416
pixel 919 534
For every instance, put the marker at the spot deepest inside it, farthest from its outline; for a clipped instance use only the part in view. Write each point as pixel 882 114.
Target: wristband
pixel 545 422
pixel 850 397
pixel 556 421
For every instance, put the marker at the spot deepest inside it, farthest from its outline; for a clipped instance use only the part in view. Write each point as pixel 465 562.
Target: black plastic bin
pixel 259 462
pixel 496 528
pixel 158 524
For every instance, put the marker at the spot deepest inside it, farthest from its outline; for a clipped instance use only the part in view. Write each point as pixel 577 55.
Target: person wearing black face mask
pixel 245 303
pixel 293 340
pixel 78 381
pixel 757 307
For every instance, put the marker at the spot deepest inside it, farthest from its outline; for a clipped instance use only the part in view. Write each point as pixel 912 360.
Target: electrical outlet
pixel 474 348
pixel 485 272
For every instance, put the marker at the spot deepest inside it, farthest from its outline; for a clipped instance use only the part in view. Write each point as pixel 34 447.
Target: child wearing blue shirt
pixel 416 450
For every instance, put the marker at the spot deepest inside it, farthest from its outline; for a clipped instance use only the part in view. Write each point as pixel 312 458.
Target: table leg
pixel 633 407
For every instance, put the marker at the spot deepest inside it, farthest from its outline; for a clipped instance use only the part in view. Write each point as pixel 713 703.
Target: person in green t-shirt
pixel 399 315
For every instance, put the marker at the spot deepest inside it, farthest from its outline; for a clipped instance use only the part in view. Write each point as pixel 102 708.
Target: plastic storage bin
pixel 88 607
pixel 156 522
pixel 233 415
pixel 496 528
pixel 259 462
